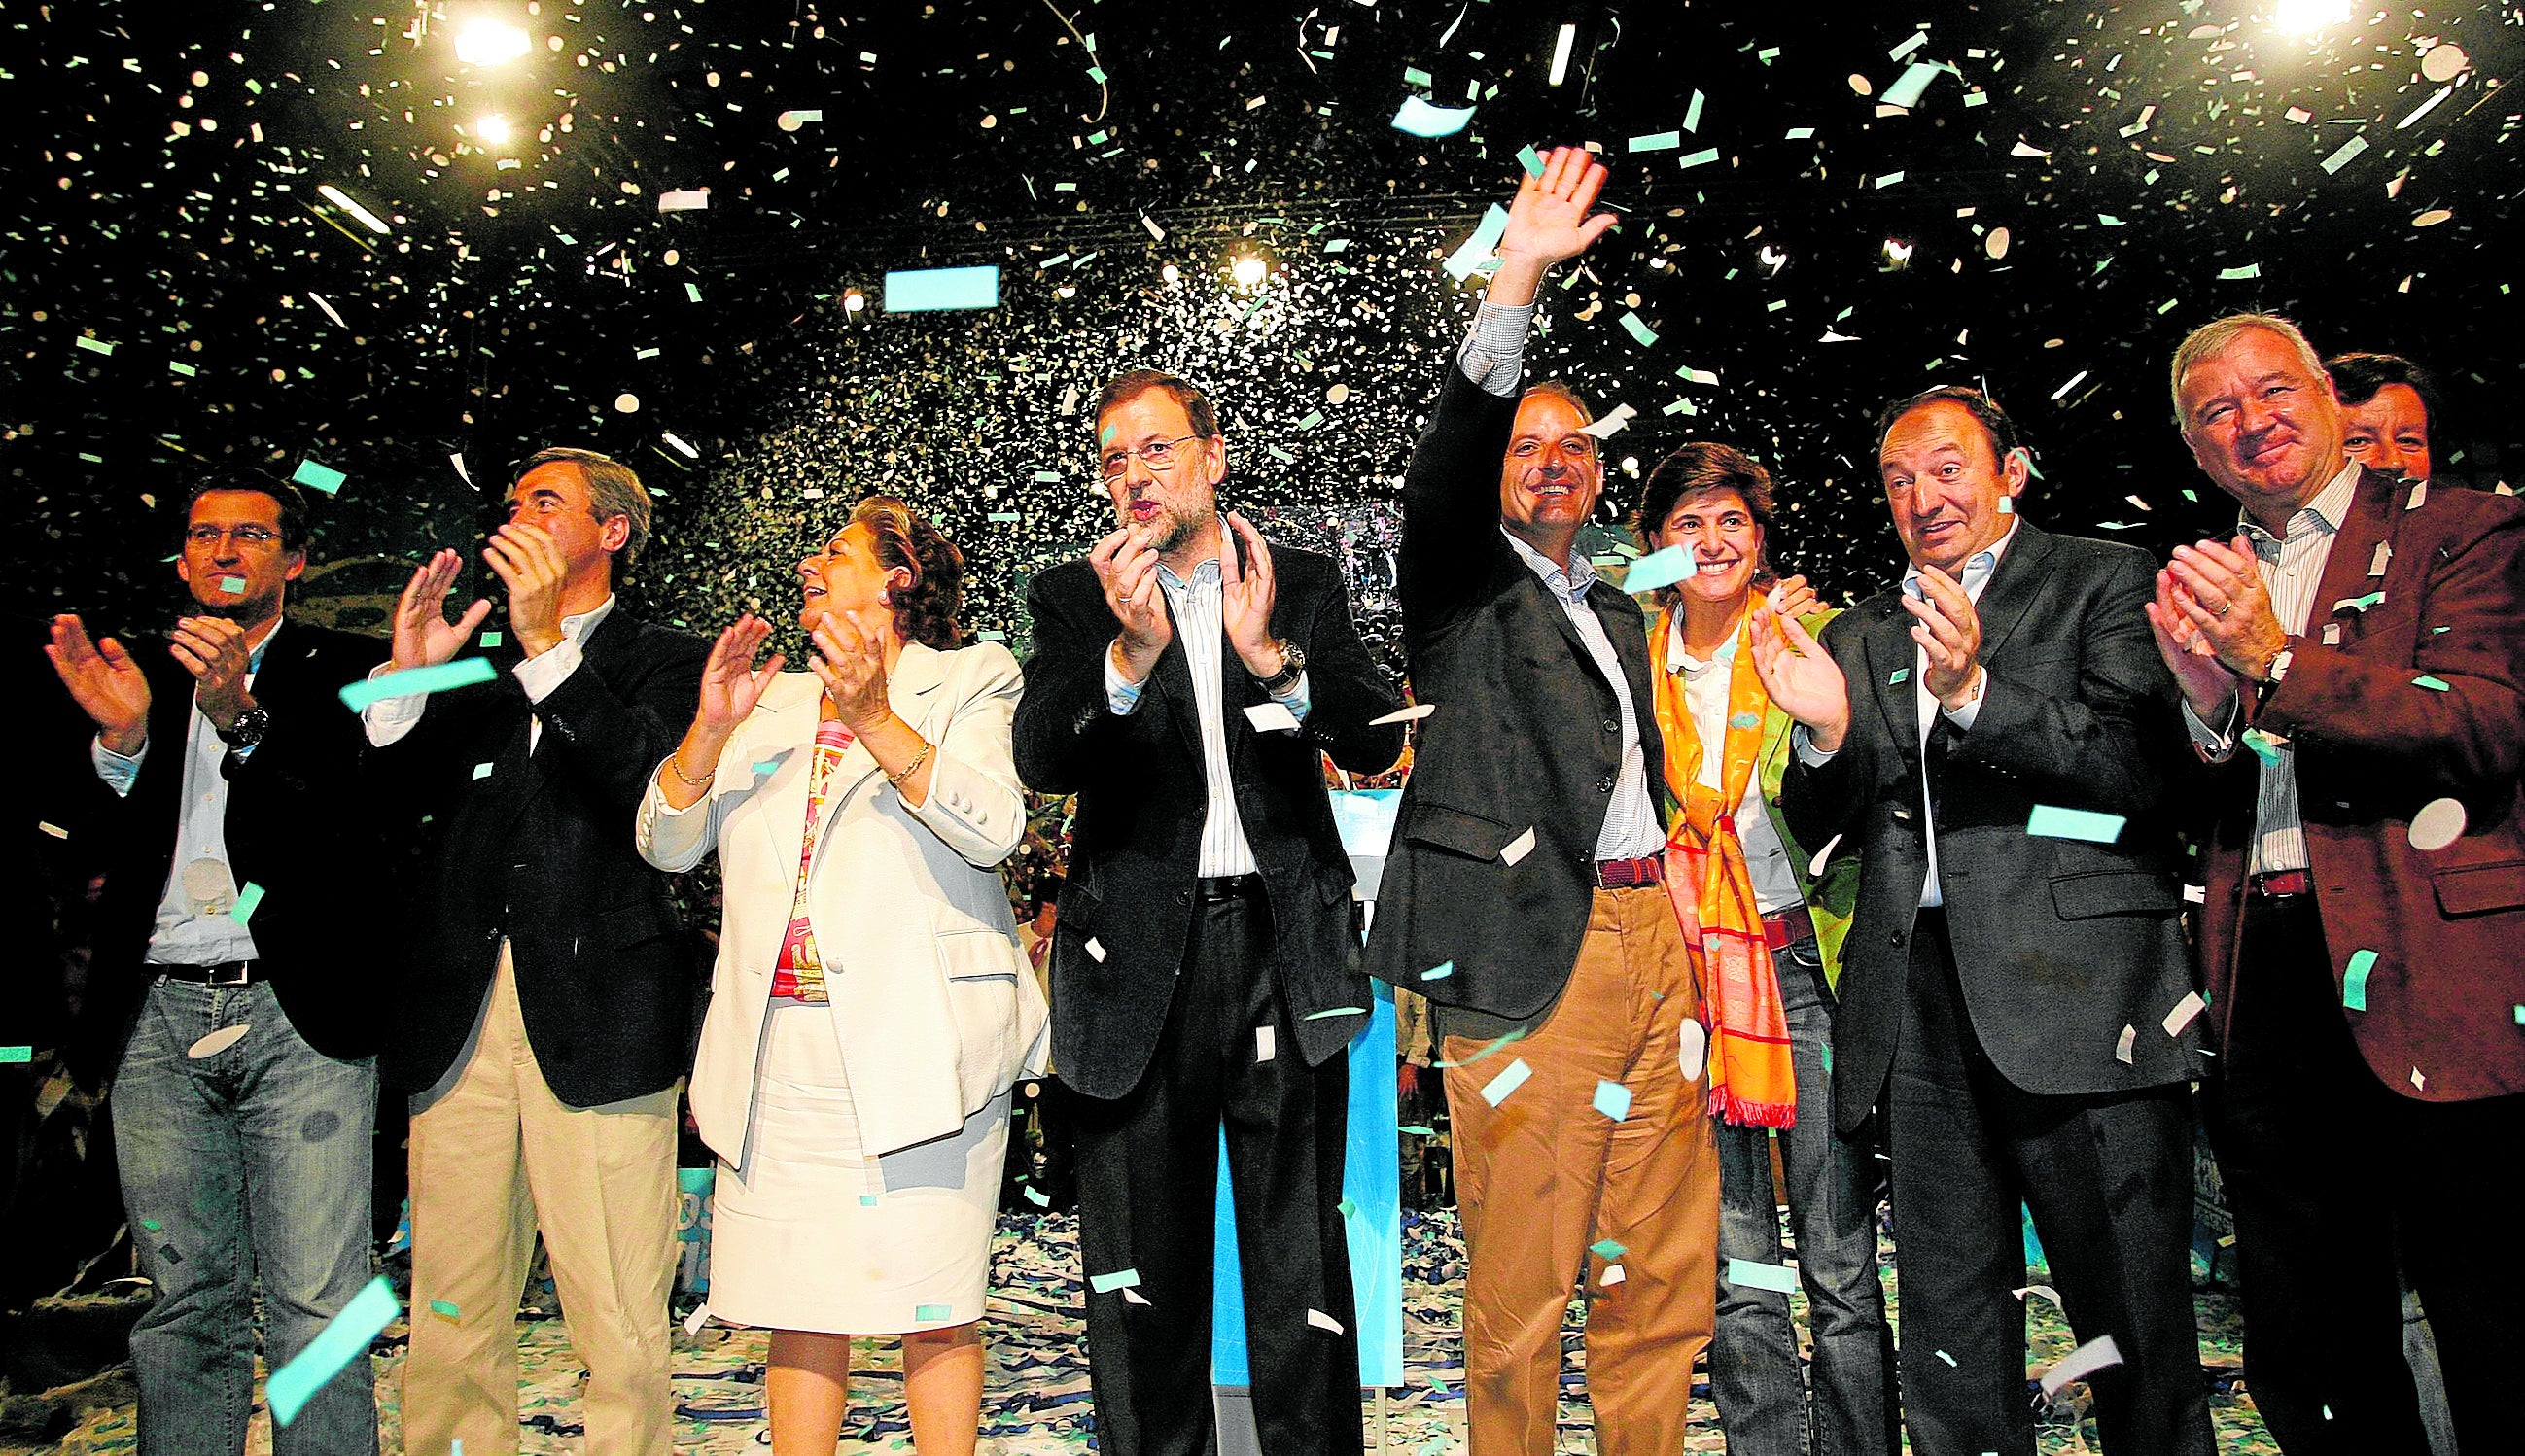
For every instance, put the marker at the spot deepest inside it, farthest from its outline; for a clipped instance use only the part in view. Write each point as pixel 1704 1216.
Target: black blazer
pixel 1143 795
pixel 538 850
pixel 1526 734
pixel 2059 942
pixel 295 826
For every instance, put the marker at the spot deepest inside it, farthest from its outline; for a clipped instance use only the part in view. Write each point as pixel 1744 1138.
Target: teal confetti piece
pixel 1613 1099
pixel 151 1225
pixel 2264 747
pixel 2520 1016
pixel 1908 87
pixel 15 1056
pixel 867 1200
pixel 1418 117
pixel 1105 436
pixel 1753 1276
pixel 1416 1130
pixel 2051 821
pixel 1658 141
pixel 445 1309
pixel 1004 516
pixel 1658 570
pixel 2232 274
pixel 1950 1359
pixel 2359 603
pixel 1120 1278
pixel 1510 1078
pixel 1692 113
pixel 494 638
pixel 1607 1250
pixel 247 898
pixel 928 1312
pixel 315 476
pixel 415 681
pixel 1746 721
pixel 1439 972
pixel 2353 980
pixel 1414 75
pixel 1531 160
pixel 1898 677
pixel 1475 254
pixel 93 346
pixel 1036 1198
pixel 234 586
pixel 764 769
pixel 2433 684
pixel 932 289
pixel 1349 1209
pixel 1632 325
pixel 481 771
pixel 343 1339
pixel 1702 158
pixel 1334 1011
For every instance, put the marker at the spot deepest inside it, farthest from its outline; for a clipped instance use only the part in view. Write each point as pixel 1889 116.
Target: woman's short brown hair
pixel 1700 468
pixel 925 611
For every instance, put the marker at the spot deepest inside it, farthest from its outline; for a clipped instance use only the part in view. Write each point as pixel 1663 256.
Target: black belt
pixel 1215 887
pixel 223 973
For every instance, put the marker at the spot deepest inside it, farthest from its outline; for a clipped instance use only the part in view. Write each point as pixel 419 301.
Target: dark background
pixel 159 192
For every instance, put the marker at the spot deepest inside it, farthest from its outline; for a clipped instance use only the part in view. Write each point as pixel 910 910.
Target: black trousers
pixel 2108 1180
pixel 2326 1169
pixel 1148 1173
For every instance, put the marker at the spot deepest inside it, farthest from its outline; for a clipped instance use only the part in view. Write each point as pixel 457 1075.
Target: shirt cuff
pixel 1802 743
pixel 1963 718
pixel 388 720
pixel 1296 698
pixel 118 771
pixel 1493 355
pixel 2218 745
pixel 1122 698
pixel 541 675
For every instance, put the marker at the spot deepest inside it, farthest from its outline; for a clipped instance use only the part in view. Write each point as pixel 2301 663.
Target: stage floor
pixel 1036 1402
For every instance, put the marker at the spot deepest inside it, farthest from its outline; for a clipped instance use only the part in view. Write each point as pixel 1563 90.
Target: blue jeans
pixel 253 1161
pixel 1754 1371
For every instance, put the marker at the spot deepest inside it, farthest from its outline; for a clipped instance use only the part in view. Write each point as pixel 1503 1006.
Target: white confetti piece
pixel 1519 847
pixel 2122 1048
pixel 2438 823
pixel 1413 713
pixel 218 1042
pixel 2098 1353
pixel 1324 1321
pixel 1272 717
pixel 1095 948
pixel 1510 1079
pixel 2184 1010
pixel 1691 1049
pixel 1265 1045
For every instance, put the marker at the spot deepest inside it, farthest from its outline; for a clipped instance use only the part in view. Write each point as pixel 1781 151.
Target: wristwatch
pixel 248 729
pixel 1292 665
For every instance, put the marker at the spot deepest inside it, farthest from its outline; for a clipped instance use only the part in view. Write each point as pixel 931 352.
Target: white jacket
pixel 931 998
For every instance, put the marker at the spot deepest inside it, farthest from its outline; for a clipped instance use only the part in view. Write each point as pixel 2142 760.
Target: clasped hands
pixel 528 561
pixel 111 689
pixel 1126 564
pixel 1809 685
pixel 2214 624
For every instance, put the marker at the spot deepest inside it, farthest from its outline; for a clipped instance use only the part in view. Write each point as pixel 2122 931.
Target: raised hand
pixel 1800 677
pixel 1246 595
pixel 1949 630
pixel 1548 223
pixel 1791 597
pixel 104 681
pixel 1126 567
pixel 213 650
pixel 529 564
pixel 2205 682
pixel 422 635
pixel 2223 598
pixel 731 685
pixel 850 662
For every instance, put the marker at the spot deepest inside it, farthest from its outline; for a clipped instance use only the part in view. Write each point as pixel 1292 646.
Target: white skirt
pixel 810 1233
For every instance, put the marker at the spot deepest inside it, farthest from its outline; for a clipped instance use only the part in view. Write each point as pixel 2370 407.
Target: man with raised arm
pixel 1524 894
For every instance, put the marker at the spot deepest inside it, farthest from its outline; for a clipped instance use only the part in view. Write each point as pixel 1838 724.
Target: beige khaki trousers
pixel 1544 1175
pixel 493 1158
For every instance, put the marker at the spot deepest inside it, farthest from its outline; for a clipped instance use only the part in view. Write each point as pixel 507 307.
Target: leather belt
pixel 1630 874
pixel 2281 884
pixel 223 973
pixel 1215 887
pixel 1788 927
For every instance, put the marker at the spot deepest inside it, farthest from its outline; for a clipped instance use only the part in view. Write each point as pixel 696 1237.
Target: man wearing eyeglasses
pixel 224 998
pixel 545 1012
pixel 1204 973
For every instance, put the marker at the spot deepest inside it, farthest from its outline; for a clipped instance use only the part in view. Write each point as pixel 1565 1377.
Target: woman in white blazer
pixel 870 1007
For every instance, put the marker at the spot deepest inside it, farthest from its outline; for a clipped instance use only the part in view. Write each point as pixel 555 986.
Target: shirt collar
pixel 1979 567
pixel 582 627
pixel 1681 661
pixel 2324 513
pixel 1206 572
pixel 1569 585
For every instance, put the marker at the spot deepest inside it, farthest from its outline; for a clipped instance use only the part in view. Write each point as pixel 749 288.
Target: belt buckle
pixel 230 973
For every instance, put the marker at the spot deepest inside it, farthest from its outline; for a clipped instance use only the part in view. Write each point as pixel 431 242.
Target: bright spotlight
pixel 2304 17
pixel 853 301
pixel 1168 273
pixel 493 129
pixel 1560 54
pixel 489 42
pixel 1773 258
pixel 1897 252
pixel 1248 271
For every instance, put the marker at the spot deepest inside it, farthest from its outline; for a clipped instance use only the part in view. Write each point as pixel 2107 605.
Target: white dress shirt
pixel 1979 567
pixel 1199 620
pixel 194 926
pixel 1631 829
pixel 2292 568
pixel 388 720
pixel 1704 694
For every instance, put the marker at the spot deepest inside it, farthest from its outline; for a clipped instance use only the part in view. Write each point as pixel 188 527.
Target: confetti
pixel 1107 1283
pixel 344 1338
pixel 1613 1101
pixel 11 1055
pixel 2353 980
pixel 2438 823
pixel 1421 119
pixel 247 898
pixel 1272 717
pixel 1265 1045
pixel 2096 1354
pixel 2049 821
pixel 1413 713
pixel 1519 847
pixel 1332 1011
pixel 1510 1078
pixel 1439 972
pixel 1778 1278
pixel 417 681
pixel 2183 1013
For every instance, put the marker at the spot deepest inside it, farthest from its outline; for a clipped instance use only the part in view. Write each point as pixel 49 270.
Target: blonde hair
pixel 2212 338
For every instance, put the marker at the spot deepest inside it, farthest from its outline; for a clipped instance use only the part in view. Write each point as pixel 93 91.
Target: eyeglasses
pixel 245 535
pixel 1156 455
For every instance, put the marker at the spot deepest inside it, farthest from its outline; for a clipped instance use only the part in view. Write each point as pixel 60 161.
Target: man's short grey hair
pixel 2213 337
pixel 613 489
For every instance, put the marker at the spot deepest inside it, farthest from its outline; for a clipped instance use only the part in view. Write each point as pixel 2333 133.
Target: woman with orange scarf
pixel 1765 931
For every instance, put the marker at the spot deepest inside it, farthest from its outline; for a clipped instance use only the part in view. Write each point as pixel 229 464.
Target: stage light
pixel 1773 258
pixel 488 42
pixel 1897 252
pixel 493 129
pixel 853 301
pixel 1248 271
pixel 1169 274
pixel 1560 52
pixel 2304 17
pixel 340 198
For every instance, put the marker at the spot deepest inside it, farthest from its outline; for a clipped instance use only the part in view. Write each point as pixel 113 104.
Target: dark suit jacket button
pixel 1896 937
pixel 1183 896
pixel 1612 726
pixel 1605 785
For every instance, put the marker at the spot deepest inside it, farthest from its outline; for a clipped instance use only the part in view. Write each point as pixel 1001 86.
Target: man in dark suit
pixel 1204 965
pixel 1524 894
pixel 2014 992
pixel 548 993
pixel 2358 637
pixel 226 997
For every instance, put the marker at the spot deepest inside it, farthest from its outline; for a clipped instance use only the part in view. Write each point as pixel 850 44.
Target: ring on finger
pixel 2223 608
